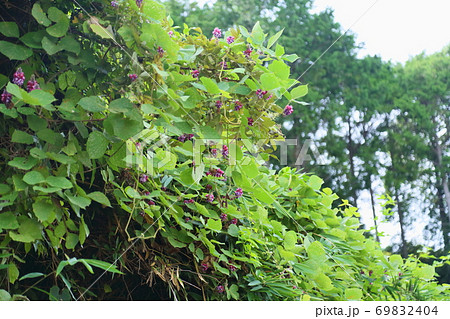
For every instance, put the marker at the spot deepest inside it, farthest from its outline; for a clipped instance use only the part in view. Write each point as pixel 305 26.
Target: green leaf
pixel 49 46
pixel 59 181
pixel 210 85
pixel 39 15
pixel 71 240
pixel 13 273
pixel 99 198
pixel 9 29
pixel 353 294
pixel 79 201
pixel 214 224
pixel 29 230
pixel 323 282
pixel 175 243
pixel 8 221
pixel 33 177
pixel 40 97
pixel 269 81
pixel 425 272
pixel 291 57
pixel 233 230
pixel 4 295
pixel 33 39
pixel 315 182
pixel 96 145
pixel 21 137
pixel 105 33
pixel 92 104
pixel 280 69
pixel 122 105
pixel 44 211
pixel 62 22
pixel 208 132
pixel 36 123
pixel 396 261
pixel 154 10
pixel 290 240
pixel 14 51
pixel 104 265
pixel 31 275
pixel 258 35
pixel 24 163
pixel 299 91
pixel 274 38
pixel 316 251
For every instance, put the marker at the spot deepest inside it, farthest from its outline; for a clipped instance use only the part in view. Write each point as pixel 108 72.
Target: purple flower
pixel 217 33
pixel 209 198
pixel 218 105
pixel 223 217
pixel 237 105
pixel 6 97
pixel 269 97
pixel 230 39
pixel 370 272
pixel 234 221
pixel 288 110
pixel 161 51
pixel 114 4
pixel 250 121
pixel 187 219
pixel 189 201
pixel 238 192
pixel 185 137
pixel 225 151
pixel 143 178
pixel 133 77
pixel 150 202
pixel 18 77
pixel 260 93
pixel 220 289
pixel 32 84
pixel 214 152
pixel 195 73
pixel 223 64
pixel 170 33
pixel 204 267
pixel 232 267
pixel 146 193
pixel 139 3
pixel 247 52
pixel 208 187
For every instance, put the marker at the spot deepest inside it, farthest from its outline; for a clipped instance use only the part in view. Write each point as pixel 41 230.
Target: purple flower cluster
pixel 260 93
pixel 217 33
pixel 195 73
pixel 234 221
pixel 225 151
pixel 250 121
pixel 218 105
pixel 114 4
pixel 170 33
pixel 220 289
pixel 214 152
pixel 237 105
pixel 232 267
pixel 230 39
pixel 189 201
pixel 133 77
pixel 150 202
pixel 19 77
pixel 223 217
pixel 209 198
pixel 208 187
pixel 143 178
pixel 288 110
pixel 160 51
pixel 185 137
pixel 247 52
pixel 238 192
pixel 204 267
pixel 223 64
pixel 139 3
pixel 6 97
pixel 216 172
pixel 32 84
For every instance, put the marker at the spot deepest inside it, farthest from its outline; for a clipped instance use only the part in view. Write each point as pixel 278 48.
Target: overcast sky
pixel 394 29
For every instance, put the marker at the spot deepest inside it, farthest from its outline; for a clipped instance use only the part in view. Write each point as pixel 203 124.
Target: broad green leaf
pixel 9 29
pixel 29 230
pixel 269 81
pixel 24 163
pixel 175 243
pixel 61 26
pixel 154 10
pixel 14 51
pixel 92 104
pixel 49 46
pixel 58 181
pixel 291 57
pixel 99 198
pixel 122 105
pixel 21 137
pixel 210 85
pixel 13 273
pixel 316 251
pixel 396 261
pixel 299 91
pixel 33 177
pixel 323 282
pixel 121 127
pixel 8 221
pixel 33 39
pixel 315 182
pixel 105 33
pixel 39 15
pixel 263 195
pixel 44 211
pixel 4 189
pixel 96 145
pixel 71 240
pixel 425 272
pixel 4 295
pixel 280 69
pixel 258 35
pixel 233 230
pixel 353 294
pixel 290 240
pixel 40 97
pixel 103 265
pixel 79 201
pixel 214 224
pixel 36 123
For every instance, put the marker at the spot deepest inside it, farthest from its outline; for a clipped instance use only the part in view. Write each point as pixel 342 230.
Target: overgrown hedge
pixel 133 156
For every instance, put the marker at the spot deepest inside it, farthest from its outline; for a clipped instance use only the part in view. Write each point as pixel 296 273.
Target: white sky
pixel 394 29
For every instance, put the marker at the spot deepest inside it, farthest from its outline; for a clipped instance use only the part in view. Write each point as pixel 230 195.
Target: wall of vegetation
pixel 133 156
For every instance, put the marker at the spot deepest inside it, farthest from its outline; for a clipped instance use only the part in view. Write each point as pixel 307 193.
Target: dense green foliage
pixel 133 163
pixel 380 128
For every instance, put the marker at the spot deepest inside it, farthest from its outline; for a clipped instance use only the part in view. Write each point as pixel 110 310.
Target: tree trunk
pixel 443 194
pixel 403 250
pixel 351 155
pixel 372 200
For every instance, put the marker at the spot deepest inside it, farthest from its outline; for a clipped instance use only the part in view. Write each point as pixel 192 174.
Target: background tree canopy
pixel 134 152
